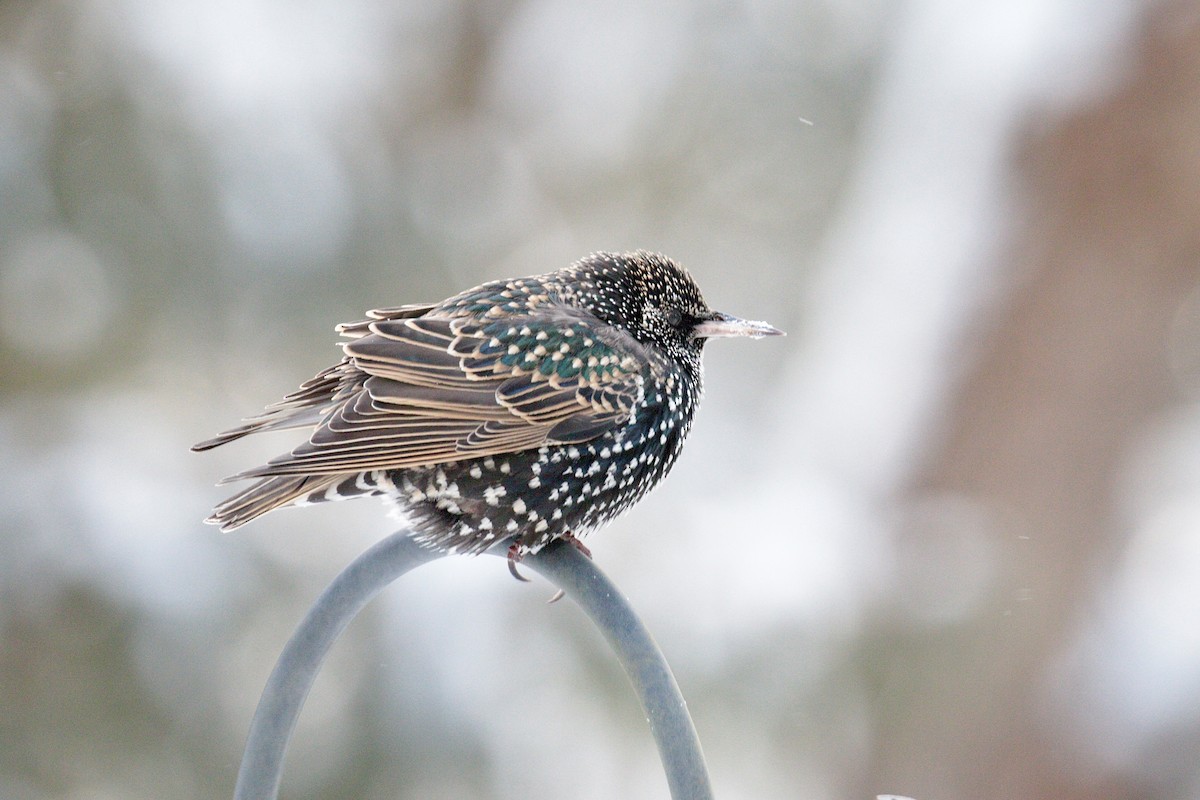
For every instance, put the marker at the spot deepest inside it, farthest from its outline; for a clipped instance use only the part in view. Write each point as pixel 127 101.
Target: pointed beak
pixel 722 325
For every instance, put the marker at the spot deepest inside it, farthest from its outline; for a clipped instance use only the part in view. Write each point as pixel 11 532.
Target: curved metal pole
pixel 666 711
pixel 287 688
pixel 561 564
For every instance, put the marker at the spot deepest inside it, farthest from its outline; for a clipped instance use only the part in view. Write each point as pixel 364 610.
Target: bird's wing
pixel 434 389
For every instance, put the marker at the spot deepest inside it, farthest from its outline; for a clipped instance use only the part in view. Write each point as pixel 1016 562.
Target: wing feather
pixel 417 390
pixel 354 330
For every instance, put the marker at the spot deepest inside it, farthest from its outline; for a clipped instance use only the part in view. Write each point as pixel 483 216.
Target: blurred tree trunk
pixel 1073 369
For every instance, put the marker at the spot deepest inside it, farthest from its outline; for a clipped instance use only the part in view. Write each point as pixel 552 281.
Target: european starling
pixel 524 410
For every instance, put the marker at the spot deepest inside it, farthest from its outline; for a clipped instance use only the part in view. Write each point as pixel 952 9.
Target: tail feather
pixel 268 495
pixel 271 493
pixel 304 418
pixel 302 408
pixel 305 407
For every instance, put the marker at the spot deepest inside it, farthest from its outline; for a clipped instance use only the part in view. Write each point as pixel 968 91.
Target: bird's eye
pixel 673 316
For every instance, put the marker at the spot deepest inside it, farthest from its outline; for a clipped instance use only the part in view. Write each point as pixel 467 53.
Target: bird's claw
pixel 514 556
pixel 581 547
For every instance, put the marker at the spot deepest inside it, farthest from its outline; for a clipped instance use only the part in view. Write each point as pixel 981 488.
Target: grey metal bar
pixel 560 563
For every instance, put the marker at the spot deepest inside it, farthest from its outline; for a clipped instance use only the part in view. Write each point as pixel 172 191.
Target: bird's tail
pixel 271 493
pixel 302 408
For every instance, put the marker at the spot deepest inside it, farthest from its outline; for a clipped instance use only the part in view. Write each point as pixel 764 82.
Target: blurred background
pixel 943 541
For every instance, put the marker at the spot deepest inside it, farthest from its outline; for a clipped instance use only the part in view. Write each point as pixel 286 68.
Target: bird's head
pixel 658 302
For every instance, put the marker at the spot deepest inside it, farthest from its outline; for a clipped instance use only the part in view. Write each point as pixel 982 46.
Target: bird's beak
pixel 722 325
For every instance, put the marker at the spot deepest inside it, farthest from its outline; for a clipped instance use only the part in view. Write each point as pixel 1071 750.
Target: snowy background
pixel 943 541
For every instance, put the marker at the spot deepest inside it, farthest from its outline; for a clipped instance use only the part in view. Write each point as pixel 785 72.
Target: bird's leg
pixel 581 547
pixel 514 557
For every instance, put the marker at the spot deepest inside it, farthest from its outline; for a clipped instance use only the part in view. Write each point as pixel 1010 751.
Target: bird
pixel 521 411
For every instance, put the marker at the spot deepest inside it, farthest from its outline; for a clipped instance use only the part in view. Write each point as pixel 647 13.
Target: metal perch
pixel 561 564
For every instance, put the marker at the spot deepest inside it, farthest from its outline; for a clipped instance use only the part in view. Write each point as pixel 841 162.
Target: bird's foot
pixel 581 547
